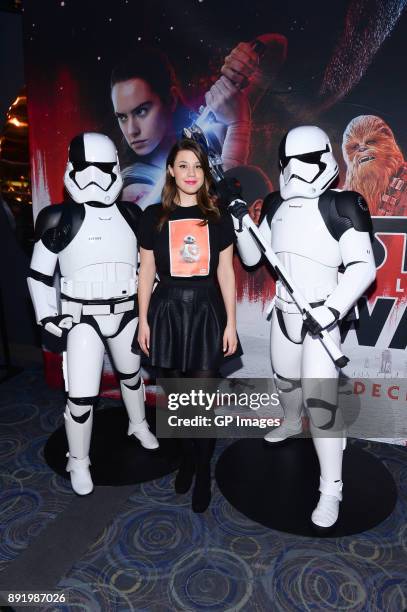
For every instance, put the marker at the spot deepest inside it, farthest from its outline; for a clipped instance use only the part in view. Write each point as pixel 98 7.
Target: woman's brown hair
pixel 205 201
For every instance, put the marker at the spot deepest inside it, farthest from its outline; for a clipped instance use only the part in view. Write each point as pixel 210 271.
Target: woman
pixel 151 113
pixel 187 327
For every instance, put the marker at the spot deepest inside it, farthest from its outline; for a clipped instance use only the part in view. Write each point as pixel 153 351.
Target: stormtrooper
pixel 93 239
pixel 323 238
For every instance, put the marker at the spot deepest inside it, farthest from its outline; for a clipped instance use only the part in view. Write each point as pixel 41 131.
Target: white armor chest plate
pixel 101 261
pixel 298 227
pixel 302 241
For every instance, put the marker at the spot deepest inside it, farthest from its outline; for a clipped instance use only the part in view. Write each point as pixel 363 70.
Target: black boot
pixel 201 495
pixel 186 471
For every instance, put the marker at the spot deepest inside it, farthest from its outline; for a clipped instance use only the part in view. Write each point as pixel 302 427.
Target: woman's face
pixel 143 117
pixel 188 172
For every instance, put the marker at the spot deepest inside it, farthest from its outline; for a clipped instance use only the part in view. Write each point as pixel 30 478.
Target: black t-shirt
pixel 184 248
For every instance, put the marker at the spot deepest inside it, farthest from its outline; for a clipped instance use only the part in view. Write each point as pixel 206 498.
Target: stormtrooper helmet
pixel 307 164
pixel 93 173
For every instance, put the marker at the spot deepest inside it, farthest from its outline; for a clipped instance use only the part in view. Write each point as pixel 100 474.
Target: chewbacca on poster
pixel 375 165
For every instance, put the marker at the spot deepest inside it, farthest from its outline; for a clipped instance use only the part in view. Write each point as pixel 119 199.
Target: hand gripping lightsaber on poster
pixel 272 48
pixel 205 115
pixel 201 131
pixel 304 307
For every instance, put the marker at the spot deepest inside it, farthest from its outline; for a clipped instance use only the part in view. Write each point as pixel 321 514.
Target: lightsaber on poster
pixel 201 130
pixel 333 350
pixel 206 116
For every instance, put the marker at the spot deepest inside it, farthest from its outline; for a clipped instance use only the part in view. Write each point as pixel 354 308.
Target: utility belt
pixel 76 308
pixel 97 292
pixel 291 307
pixel 285 302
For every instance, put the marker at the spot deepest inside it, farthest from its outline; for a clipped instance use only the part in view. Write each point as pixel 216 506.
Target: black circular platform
pixel 116 458
pixel 277 486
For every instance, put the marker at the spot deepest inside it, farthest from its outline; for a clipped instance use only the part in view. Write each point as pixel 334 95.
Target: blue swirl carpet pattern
pixel 155 555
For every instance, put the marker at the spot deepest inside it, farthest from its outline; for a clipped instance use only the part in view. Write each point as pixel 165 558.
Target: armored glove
pixel 58 326
pixel 320 318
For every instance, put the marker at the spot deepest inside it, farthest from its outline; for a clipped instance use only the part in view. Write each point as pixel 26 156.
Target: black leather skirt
pixel 187 320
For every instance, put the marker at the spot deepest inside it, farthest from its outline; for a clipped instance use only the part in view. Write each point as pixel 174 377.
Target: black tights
pixel 196 452
pixel 201 448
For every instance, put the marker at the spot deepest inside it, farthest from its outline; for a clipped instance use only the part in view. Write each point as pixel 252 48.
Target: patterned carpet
pixel 156 555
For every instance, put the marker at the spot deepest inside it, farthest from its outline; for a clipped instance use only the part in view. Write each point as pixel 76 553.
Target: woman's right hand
pixel 143 336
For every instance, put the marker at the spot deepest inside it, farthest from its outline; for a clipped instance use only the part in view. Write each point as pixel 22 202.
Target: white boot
pixel 144 435
pixel 78 435
pixel 327 511
pixel 284 431
pixel 134 401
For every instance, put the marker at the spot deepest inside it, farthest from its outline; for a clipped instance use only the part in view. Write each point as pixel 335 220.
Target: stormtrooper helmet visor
pixel 101 175
pixel 307 165
pixel 93 172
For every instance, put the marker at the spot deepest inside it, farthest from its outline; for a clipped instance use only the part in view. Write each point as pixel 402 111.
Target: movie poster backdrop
pixel 337 65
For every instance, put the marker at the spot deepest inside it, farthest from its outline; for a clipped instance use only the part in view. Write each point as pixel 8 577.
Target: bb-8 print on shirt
pixel 189 248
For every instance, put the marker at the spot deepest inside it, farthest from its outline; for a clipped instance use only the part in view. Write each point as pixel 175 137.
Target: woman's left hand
pixel 229 340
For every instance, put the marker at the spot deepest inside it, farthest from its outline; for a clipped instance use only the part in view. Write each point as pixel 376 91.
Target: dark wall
pixel 14 266
pixel 11 62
